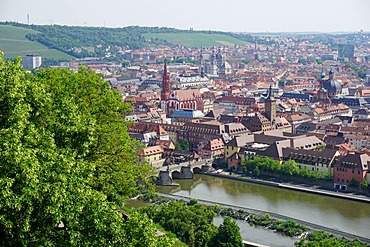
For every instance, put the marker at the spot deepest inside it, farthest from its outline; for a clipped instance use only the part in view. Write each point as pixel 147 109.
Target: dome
pixel 332 86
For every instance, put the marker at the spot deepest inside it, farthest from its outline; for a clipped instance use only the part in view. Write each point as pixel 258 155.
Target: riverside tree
pixel 228 235
pixel 66 162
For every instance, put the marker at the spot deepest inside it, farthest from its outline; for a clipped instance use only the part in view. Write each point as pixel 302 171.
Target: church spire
pixel 270 95
pixel 270 106
pixel 165 94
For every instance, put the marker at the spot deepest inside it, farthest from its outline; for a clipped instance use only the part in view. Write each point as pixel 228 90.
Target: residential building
pixel 351 166
pixel 31 61
pixel 313 160
pixel 214 149
pixel 152 155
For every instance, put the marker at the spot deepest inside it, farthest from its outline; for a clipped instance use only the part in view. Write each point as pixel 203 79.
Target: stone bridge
pixel 185 170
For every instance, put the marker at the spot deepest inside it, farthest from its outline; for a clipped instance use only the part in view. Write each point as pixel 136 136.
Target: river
pixel 348 216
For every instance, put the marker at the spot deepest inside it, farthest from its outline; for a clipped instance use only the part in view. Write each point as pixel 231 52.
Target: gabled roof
pixel 214 144
pixel 325 156
pixel 354 161
pixel 240 141
pixel 214 114
pixel 151 150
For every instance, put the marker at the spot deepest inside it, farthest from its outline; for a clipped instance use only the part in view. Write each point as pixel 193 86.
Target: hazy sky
pixel 226 15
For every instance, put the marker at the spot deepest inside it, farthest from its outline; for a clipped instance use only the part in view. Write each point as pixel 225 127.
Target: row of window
pixel 341 169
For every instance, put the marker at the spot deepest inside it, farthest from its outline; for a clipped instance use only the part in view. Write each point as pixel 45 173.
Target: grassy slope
pixel 14 43
pixel 197 39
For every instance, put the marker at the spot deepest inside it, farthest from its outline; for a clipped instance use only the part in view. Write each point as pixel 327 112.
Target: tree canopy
pixel 66 161
pixel 228 235
pixel 192 224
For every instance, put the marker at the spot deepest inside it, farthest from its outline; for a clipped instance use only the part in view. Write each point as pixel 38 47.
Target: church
pixel 216 66
pixel 328 88
pixel 266 121
pixel 172 100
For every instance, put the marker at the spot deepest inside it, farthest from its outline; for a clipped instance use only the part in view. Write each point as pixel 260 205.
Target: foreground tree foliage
pixel 66 162
pixel 228 235
pixel 192 224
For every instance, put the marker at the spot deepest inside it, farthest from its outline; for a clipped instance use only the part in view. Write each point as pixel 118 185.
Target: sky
pixel 226 15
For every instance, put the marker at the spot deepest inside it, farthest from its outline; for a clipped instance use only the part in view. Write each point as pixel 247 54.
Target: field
pixel 197 39
pixel 14 43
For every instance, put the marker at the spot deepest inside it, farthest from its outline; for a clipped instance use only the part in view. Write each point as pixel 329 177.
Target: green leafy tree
pixel 256 172
pixel 192 224
pixel 64 166
pixel 290 168
pixel 304 172
pixel 183 145
pixel 364 185
pixel 140 231
pixel 228 235
pixel 320 147
pixel 353 183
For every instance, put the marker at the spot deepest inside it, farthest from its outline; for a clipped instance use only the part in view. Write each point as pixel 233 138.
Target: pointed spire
pixel 331 74
pixel 165 68
pixel 165 81
pixel 270 95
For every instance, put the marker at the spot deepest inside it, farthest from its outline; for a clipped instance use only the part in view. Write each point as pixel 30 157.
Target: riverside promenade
pixel 294 186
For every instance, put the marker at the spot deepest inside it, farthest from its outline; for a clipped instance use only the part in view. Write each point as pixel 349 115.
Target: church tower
pixel 220 64
pixel 201 63
pixel 270 106
pixel 322 93
pixel 166 89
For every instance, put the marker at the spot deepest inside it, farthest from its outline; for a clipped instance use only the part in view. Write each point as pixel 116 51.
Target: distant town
pixel 267 132
pixel 302 97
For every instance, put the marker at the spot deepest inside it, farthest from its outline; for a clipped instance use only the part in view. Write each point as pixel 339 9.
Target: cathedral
pixel 215 66
pixel 328 88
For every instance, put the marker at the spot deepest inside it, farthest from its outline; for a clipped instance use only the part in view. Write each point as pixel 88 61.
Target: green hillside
pixel 14 43
pixel 196 39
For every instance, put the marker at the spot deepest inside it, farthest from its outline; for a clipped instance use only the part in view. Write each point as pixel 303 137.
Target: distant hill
pixel 197 39
pixel 13 43
pixel 82 42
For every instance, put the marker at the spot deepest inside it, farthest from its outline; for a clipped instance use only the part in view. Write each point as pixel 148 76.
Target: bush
pixel 192 201
pixel 353 183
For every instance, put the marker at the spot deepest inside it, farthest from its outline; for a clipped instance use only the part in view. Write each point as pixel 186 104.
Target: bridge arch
pixel 166 174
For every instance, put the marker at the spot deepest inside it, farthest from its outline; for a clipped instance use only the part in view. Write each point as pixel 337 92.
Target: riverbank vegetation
pixel 257 164
pixel 287 228
pixel 321 238
pixel 193 224
pixel 177 211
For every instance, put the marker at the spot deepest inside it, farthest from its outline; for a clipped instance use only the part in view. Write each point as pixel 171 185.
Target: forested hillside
pixel 81 42
pixel 91 41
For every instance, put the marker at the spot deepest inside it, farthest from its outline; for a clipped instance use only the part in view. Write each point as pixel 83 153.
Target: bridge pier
pixel 181 171
pixel 164 178
pixel 185 173
pixel 206 168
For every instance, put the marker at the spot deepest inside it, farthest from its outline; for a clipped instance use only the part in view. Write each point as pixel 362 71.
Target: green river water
pixel 348 216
